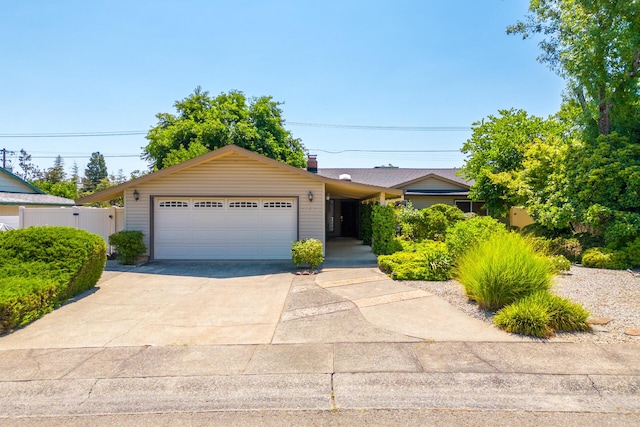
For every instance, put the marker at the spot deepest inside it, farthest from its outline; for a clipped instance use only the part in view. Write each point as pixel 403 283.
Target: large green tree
pixel 95 172
pixel 203 123
pixel 595 46
pixel 56 173
pixel 29 170
pixel 495 155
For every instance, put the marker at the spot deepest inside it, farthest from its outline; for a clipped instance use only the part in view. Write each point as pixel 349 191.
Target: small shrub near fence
pixel 42 267
pixel 129 245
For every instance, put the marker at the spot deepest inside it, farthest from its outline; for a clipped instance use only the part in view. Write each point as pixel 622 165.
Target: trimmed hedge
pixel 42 267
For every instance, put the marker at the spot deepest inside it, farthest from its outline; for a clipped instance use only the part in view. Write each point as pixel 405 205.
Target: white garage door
pixel 224 228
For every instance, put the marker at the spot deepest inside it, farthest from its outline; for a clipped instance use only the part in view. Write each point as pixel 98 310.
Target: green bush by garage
pixel 42 267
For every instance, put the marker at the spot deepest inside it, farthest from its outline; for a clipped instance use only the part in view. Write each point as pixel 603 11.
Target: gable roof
pixel 394 177
pixel 334 186
pixel 8 175
pixel 24 199
pixel 31 195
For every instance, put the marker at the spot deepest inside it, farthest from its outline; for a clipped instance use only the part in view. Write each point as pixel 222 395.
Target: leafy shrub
pixel 129 245
pixel 428 224
pixel 365 230
pixel 570 248
pixel 23 300
pixel 559 263
pixel 411 223
pixel 633 252
pixel 307 252
pixel 466 234
pixel 605 258
pixel 540 230
pixel 41 267
pixel 421 261
pixel 623 229
pixel 525 317
pixel 501 270
pixel 542 313
pixel 588 240
pixel 384 230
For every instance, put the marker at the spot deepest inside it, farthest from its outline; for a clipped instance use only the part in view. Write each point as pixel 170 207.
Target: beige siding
pixel 14 210
pixel 9 210
pixel 432 183
pixel 519 217
pixel 233 175
pixel 421 202
pixel 12 186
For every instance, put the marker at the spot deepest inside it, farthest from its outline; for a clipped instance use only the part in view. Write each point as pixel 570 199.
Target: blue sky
pixel 99 66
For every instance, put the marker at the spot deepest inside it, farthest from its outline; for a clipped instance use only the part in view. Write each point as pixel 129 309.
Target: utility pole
pixel 4 152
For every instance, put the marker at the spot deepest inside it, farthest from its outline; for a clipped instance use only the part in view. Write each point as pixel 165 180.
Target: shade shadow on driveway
pixel 209 269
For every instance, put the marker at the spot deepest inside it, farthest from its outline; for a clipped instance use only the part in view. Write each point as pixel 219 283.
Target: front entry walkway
pixel 348 252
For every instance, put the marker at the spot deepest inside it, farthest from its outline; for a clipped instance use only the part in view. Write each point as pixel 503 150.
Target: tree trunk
pixel 604 112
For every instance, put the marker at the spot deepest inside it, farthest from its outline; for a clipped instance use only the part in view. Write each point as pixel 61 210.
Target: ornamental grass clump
pixel 501 270
pixel 525 317
pixel 541 314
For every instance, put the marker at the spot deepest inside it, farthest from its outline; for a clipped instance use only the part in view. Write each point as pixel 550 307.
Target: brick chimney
pixel 312 163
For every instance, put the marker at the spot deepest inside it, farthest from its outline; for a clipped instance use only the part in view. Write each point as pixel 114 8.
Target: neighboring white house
pixel 232 203
pixel 16 192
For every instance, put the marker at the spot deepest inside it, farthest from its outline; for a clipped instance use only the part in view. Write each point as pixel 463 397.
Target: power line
pixel 86 155
pixel 93 134
pixel 72 134
pixel 393 128
pixel 384 151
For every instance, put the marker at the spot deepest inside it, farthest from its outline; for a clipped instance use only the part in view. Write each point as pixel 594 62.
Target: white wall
pixel 100 221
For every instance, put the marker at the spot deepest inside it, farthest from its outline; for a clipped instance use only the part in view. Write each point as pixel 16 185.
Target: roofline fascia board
pixel 433 175
pixel 118 190
pixel 34 204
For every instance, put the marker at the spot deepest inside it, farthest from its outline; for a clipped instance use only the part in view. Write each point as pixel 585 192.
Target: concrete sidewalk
pixel 337 347
pixel 559 377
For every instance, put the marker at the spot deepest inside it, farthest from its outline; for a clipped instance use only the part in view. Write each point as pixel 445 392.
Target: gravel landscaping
pixel 607 294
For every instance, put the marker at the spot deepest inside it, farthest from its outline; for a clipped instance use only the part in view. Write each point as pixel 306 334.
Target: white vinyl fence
pixel 101 221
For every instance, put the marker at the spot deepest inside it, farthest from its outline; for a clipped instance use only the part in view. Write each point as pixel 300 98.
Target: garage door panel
pixel 234 228
pixel 209 238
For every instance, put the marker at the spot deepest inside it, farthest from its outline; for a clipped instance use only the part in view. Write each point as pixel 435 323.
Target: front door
pixel 349 218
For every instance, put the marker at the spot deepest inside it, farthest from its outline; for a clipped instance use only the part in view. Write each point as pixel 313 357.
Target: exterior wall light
pixel 136 195
pixel 310 196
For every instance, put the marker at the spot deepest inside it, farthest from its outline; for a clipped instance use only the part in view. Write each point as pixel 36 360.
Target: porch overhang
pixel 336 189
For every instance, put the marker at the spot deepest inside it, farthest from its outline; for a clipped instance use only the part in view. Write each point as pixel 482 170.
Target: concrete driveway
pixel 247 303
pixel 167 304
